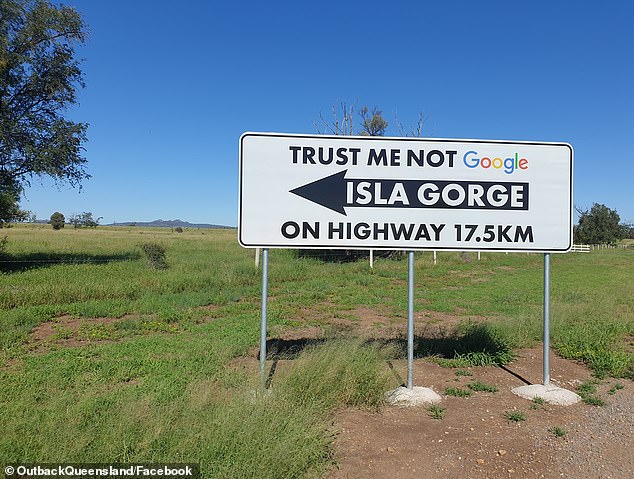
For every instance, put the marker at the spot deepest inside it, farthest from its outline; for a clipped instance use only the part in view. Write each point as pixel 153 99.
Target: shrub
pixel 155 254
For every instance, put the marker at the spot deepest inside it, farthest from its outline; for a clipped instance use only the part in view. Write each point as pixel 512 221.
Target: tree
pixel 39 76
pixel 74 220
pixel 372 123
pixel 9 209
pixel 57 220
pixel 342 123
pixel 88 220
pixel 627 230
pixel 85 219
pixel 599 225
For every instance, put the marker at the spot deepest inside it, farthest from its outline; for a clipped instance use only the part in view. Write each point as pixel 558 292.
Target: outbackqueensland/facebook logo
pixel 509 165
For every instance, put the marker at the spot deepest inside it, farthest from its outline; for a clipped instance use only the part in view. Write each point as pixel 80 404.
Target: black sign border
pixel 392 138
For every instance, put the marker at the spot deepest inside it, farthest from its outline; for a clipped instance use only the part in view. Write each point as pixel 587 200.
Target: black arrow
pixel 336 192
pixel 329 192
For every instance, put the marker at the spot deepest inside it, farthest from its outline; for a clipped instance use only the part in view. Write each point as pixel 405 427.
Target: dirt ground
pixel 475 440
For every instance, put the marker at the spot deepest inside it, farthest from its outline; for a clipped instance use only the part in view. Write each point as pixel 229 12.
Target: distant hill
pixel 167 224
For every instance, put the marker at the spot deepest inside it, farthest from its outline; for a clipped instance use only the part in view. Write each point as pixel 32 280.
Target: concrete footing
pixel 550 394
pixel 417 396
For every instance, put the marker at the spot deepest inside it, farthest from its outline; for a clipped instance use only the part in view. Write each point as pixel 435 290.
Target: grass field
pixel 142 364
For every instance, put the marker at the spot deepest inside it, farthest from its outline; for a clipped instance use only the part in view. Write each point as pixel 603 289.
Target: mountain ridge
pixel 161 223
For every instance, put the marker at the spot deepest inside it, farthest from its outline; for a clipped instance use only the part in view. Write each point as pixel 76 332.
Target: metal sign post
pixel 547 392
pixel 546 319
pixel 265 294
pixel 410 320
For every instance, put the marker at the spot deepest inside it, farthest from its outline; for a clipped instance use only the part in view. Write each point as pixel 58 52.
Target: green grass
pixel 162 398
pixel 161 379
pixel 470 344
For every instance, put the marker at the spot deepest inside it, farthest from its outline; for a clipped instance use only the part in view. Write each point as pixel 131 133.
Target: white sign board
pixel 315 191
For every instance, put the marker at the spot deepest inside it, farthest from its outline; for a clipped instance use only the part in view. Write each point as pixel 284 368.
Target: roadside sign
pixel 316 191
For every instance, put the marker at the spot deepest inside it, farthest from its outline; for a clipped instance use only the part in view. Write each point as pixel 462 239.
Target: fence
pixel 611 246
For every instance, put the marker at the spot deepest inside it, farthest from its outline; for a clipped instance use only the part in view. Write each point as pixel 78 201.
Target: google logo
pixel 510 164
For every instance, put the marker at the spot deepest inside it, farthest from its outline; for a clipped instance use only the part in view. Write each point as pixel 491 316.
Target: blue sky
pixel 171 86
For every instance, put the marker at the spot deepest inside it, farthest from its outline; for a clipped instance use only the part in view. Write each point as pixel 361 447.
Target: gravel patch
pixel 595 444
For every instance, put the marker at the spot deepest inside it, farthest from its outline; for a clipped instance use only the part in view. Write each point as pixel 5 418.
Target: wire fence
pixel 343 256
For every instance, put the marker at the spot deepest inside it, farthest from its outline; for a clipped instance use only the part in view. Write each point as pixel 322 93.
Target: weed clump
pixel 155 254
pixel 340 373
pixel 557 431
pixel 588 393
pixel 538 403
pixel 295 413
pixel 457 392
pixel 515 416
pixel 593 401
pixel 479 386
pixel 436 411
pixel 615 387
